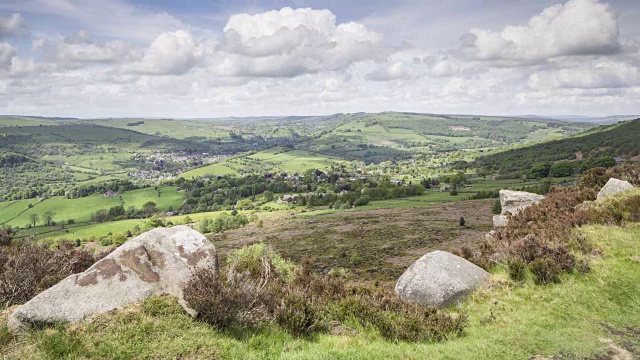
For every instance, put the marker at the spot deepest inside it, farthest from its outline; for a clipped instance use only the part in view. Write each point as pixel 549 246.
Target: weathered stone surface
pixel 515 201
pixel 614 186
pixel 440 279
pixel 157 262
pixel 500 220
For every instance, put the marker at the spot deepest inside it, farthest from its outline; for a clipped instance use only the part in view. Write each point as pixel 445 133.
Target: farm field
pixel 223 168
pixel 80 209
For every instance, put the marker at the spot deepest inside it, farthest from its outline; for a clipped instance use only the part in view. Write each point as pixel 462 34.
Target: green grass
pixel 86 231
pixel 213 169
pixel 80 209
pixel 295 160
pixel 506 321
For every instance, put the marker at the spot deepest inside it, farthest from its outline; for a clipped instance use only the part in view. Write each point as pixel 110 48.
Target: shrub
pixel 545 270
pixel 6 236
pixel 453 192
pixel 252 291
pixel 28 269
pixel 517 269
pixel 496 209
pixel 297 315
pixel 215 302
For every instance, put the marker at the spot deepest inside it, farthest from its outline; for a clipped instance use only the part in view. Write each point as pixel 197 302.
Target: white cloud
pixel 290 42
pixel 14 25
pixel 395 71
pixel 108 18
pixel 79 49
pixel 171 53
pixel 579 27
pixel 603 75
pixel 7 54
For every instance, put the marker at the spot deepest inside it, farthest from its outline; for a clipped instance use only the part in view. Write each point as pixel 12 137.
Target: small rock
pixel 515 201
pixel 440 279
pixel 614 186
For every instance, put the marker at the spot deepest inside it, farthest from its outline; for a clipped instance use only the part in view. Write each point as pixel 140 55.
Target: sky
pixel 219 58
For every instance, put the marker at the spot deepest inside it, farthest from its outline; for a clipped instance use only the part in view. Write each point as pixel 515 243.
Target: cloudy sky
pixel 214 58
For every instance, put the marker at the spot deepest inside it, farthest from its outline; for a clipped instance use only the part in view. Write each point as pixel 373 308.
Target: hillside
pixel 58 154
pixel 619 140
pixel 590 316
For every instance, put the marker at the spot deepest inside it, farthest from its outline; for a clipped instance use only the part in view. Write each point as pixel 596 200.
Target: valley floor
pixel 592 316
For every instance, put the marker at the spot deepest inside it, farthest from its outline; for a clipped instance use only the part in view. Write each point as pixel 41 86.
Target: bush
pixel 517 269
pixel 252 290
pixel 6 236
pixel 496 209
pixel 545 270
pixel 297 315
pixel 28 269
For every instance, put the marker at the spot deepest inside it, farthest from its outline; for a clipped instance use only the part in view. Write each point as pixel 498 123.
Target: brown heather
pixel 309 303
pixel 542 236
pixel 26 269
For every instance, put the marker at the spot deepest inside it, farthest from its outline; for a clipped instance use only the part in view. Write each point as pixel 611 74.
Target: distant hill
pixel 605 120
pixel 618 141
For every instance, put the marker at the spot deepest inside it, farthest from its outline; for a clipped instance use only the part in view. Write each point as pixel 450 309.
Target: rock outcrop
pixel 440 279
pixel 157 262
pixel 614 186
pixel 513 202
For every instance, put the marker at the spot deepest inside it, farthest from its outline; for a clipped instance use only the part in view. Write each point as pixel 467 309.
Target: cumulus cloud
pixel 603 75
pixel 290 42
pixel 79 49
pixel 395 71
pixel 13 25
pixel 171 53
pixel 7 54
pixel 579 27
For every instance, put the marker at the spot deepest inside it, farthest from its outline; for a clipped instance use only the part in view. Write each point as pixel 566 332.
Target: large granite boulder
pixel 440 279
pixel 513 202
pixel 157 262
pixel 614 186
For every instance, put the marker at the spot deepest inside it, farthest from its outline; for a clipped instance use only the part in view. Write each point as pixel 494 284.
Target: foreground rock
pixel 614 186
pixel 513 202
pixel 440 279
pixel 157 262
pixel 500 220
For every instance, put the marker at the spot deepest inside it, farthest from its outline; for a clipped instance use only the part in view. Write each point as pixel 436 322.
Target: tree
pixel 540 170
pixel 100 216
pixel 48 216
pixel 462 221
pixel 149 208
pixel 34 219
pixel 561 169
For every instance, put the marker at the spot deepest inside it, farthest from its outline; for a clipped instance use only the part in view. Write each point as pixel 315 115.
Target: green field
pixel 213 169
pixel 80 209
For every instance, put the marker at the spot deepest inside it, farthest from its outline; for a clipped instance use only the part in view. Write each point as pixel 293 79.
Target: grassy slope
pixel 510 321
pixel 81 209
